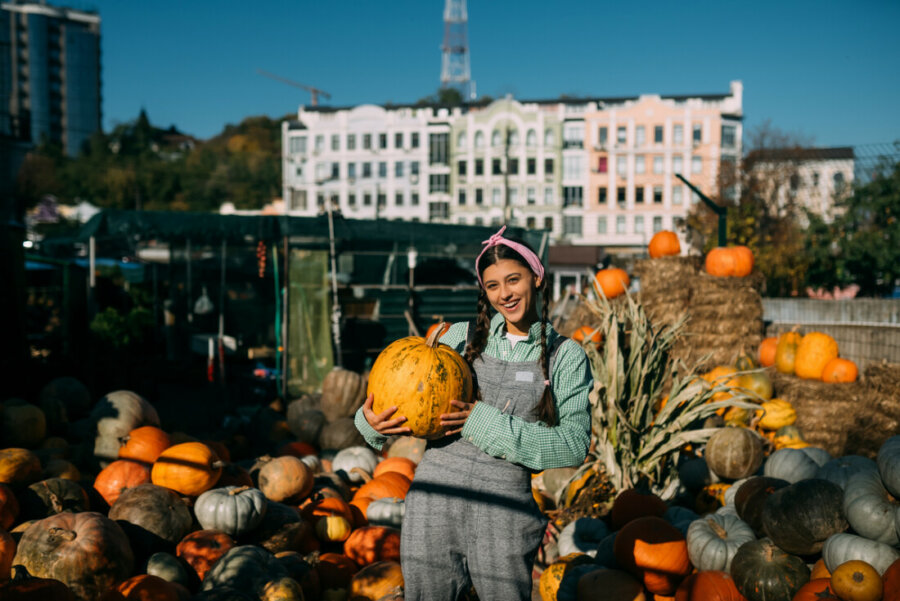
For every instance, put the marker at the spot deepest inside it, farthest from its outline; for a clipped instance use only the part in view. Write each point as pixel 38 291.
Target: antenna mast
pixel 455 49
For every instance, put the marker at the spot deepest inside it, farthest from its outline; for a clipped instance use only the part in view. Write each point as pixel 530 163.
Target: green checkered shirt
pixel 533 445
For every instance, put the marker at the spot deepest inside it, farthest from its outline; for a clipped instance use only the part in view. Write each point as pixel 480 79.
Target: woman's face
pixel 512 290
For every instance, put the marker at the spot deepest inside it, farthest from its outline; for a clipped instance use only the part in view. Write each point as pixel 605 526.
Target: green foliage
pixel 122 331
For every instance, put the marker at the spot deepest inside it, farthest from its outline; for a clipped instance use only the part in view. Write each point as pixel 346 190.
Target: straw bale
pixel 665 286
pixel 885 378
pixel 881 419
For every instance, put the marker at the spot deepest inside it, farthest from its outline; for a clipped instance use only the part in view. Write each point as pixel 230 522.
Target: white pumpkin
pixel 354 457
pixel 387 511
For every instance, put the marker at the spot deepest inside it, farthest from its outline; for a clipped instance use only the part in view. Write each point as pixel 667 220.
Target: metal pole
pixel 284 324
pixel 336 307
pixel 92 262
pixel 190 295
pixel 222 316
pixel 719 210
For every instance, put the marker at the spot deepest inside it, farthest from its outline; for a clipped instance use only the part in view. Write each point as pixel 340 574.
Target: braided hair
pixel 546 408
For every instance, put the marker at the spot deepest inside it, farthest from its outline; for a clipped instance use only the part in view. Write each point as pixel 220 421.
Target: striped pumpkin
pixel 420 377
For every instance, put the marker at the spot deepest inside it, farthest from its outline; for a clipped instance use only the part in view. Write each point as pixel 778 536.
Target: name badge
pixel 524 376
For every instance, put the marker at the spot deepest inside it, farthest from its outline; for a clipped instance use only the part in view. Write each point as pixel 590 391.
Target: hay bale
pixel 879 417
pixel 665 286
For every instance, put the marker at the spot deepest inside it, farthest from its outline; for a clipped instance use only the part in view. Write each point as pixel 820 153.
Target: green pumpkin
pixel 843 547
pixel 871 511
pixel 245 568
pixel 840 469
pixel 751 498
pixel 713 540
pixel 763 572
pixel 799 518
pixel 792 465
pixel 168 567
pixel 231 509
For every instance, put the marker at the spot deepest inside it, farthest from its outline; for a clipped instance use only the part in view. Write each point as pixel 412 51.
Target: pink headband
pixel 496 240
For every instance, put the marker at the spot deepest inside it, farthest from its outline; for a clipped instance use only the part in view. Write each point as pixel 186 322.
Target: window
pixel 479 139
pixel 573 166
pixel 351 170
pixel 622 165
pixel 461 198
pixel 548 167
pixel 438 182
pixel 729 136
pixel 815 178
pixel 677 164
pixel 479 166
pixel 398 199
pixel 367 169
pixel 367 199
pixel 322 171
pixel 461 139
pixel 573 135
pixel 530 222
pixel 438 210
pixel 657 194
pixel 620 196
pixel 548 223
pixel 478 221
pixel 640 137
pixel 320 143
pixel 297 145
pixel 335 171
pixel 496 167
pixel 571 225
pixel 335 142
pixel 839 183
pixel 513 165
pixel 621 136
pixel 696 165
pixel 298 199
pixel 678 134
pixel 548 196
pixel 367 141
pixel 382 169
pixel 496 138
pixel 398 140
pixel 531 166
pixel 351 141
pixel 438 149
pixel 531 138
pixel 382 141
pixel 601 195
pixel 658 134
pixel 602 164
pixel 639 195
pixel 495 197
pixel 657 224
pixel 531 196
pixel 414 167
pixel 513 195
pixel 514 137
pixel 461 168
pixel 640 164
pixel 602 136
pixel 677 194
pixel 320 201
pixel 639 224
pixel 479 196
pixel 601 225
pixel 414 140
pixel 351 200
pixel 398 169
pixel 698 133
pixel 620 224
pixel 695 198
pixel 549 138
pixel 381 199
pixel 572 196
pixel 414 201
pixel 657 165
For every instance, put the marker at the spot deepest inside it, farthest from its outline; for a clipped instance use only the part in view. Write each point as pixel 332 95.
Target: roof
pixel 802 154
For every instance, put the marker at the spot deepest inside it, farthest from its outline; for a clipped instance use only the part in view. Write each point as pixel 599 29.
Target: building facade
pixel 597 171
pixel 49 74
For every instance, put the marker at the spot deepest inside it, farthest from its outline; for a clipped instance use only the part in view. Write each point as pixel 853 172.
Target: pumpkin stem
pixel 238 490
pixel 363 473
pixel 66 535
pixel 717 528
pixel 858 576
pixel 218 465
pixel 432 340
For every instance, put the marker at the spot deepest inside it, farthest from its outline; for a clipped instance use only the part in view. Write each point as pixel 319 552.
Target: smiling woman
pixel 471 494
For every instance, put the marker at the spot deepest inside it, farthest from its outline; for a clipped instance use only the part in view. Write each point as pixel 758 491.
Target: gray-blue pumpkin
pixel 231 509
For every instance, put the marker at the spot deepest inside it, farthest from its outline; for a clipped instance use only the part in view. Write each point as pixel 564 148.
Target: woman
pixel 470 515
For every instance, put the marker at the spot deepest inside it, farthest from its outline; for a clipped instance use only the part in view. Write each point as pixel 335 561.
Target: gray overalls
pixel 471 515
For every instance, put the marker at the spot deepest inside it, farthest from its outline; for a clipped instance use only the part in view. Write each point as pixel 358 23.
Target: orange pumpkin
pixel 285 479
pixel 7 553
pixel 711 585
pixel 817 589
pixel 327 506
pixel 148 588
pixel 891 581
pixel 587 333
pixel 19 466
pixel 720 262
pixel 388 484
pixel 190 468
pixel 376 580
pixel 663 244
pixel 786 352
pixel 296 449
pixel 373 543
pixel 400 465
pixel 856 580
pixel 436 326
pixel 840 370
pixel 335 570
pixel 9 507
pixel 813 354
pixel 420 377
pixel 655 552
pixel 118 476
pixel 144 444
pixel 819 570
pixel 612 282
pixel 202 548
pixel 743 261
pixel 767 351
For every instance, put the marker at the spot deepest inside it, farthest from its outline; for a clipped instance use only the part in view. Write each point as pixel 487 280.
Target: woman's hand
pixel 454 422
pixel 383 422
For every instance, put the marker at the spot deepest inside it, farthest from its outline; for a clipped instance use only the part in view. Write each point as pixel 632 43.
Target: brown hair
pixel 546 408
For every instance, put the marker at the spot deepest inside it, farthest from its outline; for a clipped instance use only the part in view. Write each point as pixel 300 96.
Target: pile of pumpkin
pixel 147 514
pixel 796 526
pixel 813 356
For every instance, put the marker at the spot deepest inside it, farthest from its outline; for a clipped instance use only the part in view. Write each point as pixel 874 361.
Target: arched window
pixel 479 139
pixel 531 138
pixel 461 139
pixel 514 137
pixel 496 139
pixel 549 138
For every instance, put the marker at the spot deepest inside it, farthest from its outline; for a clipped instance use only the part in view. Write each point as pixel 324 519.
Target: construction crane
pixel 315 92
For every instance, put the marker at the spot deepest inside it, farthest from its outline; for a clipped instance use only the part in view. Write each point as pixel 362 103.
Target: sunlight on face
pixel 512 290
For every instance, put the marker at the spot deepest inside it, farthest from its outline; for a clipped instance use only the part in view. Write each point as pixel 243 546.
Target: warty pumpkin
pixel 420 377
pixel 786 351
pixel 856 580
pixel 840 370
pixel 814 352
pixel 664 243
pixel 611 282
pixel 190 468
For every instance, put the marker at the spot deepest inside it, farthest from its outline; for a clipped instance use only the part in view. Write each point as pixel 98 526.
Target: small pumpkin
pixel 373 543
pixel 551 578
pixel 708 585
pixel 144 444
pixel 786 351
pixel 387 511
pixel 354 457
pixel 231 509
pixel 814 352
pixel 713 540
pixel 323 506
pixel 190 468
pixel 587 335
pixel 734 452
pixel 401 465
pixel 762 571
pixel 792 465
pixel 856 580
pixel 743 261
pixel 841 548
pixel 817 589
pixel 203 548
pixel 664 243
pixel 776 413
pixel 168 567
pixel 720 262
pixel 333 528
pixel 611 282
pixel 799 518
pixel 767 349
pixel 840 370
pixel 441 325
pixel 119 476
pixel 19 466
pixel 405 375
pixel 285 479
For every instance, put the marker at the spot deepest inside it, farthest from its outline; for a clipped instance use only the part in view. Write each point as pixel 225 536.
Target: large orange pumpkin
pixel 373 543
pixel 118 476
pixel 814 352
pixel 190 468
pixel 709 585
pixel 401 465
pixel 720 262
pixel 767 350
pixel 144 444
pixel 664 244
pixel 612 282
pixel 743 261
pixel 786 352
pixel 840 370
pixel 420 377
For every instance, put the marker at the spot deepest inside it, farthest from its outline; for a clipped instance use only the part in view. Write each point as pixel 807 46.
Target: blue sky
pixel 827 71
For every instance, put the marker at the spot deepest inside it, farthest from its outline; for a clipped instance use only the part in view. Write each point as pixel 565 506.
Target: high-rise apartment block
pixel 49 74
pixel 598 171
